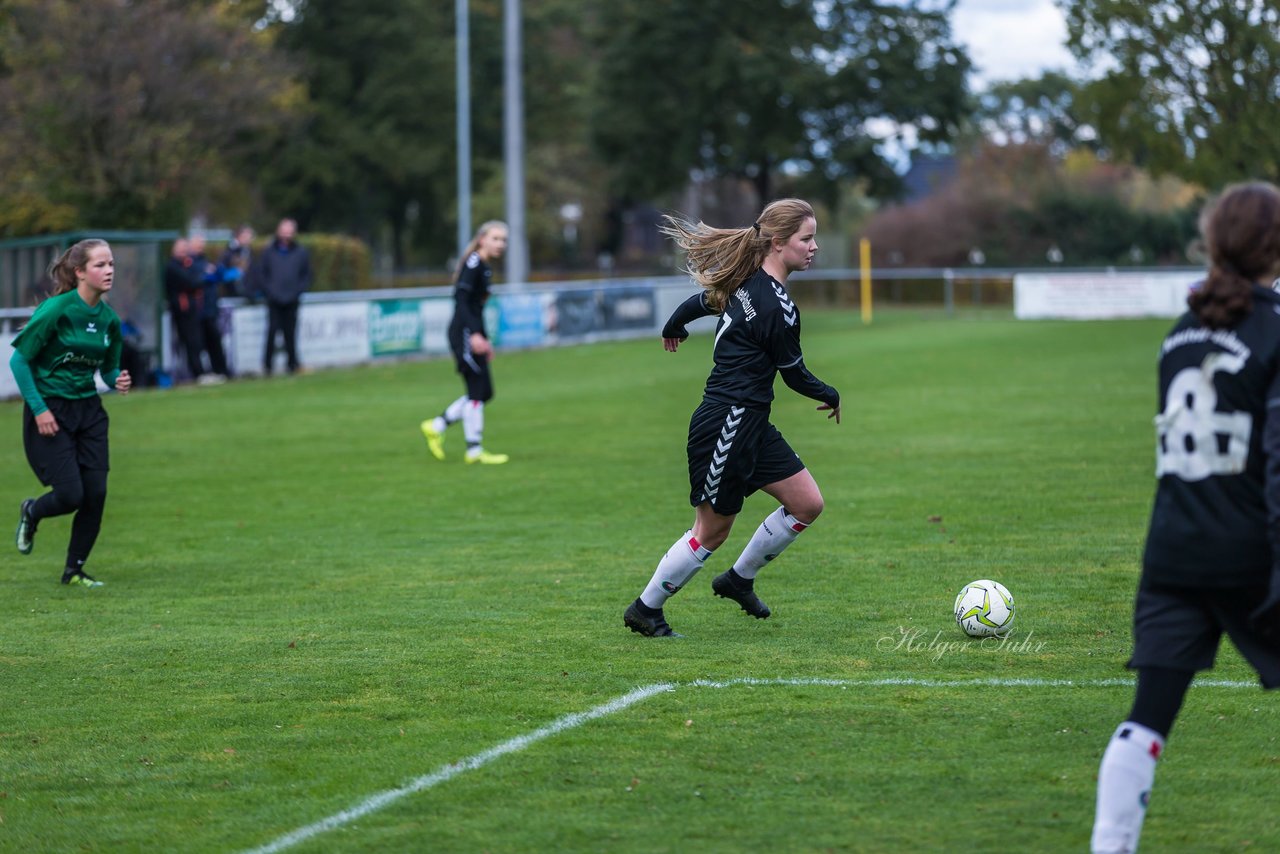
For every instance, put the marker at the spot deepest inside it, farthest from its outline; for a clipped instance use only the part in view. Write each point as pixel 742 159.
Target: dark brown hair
pixel 721 259
pixel 1241 231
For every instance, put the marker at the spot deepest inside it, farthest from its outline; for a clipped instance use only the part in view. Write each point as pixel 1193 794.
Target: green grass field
pixel 304 610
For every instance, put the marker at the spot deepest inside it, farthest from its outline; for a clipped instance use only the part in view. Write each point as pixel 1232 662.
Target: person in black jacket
pixel 185 297
pixel 733 450
pixel 1210 563
pixel 209 279
pixel 284 274
pixel 471 347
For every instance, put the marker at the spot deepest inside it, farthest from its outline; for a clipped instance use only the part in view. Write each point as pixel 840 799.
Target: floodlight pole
pixel 463 74
pixel 517 267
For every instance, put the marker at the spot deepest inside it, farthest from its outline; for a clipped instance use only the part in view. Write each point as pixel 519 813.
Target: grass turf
pixel 304 609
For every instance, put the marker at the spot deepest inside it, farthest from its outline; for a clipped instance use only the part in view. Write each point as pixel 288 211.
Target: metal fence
pixel 137 293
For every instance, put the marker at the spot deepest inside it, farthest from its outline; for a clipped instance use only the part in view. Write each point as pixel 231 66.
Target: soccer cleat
pixel 724 586
pixel 650 627
pixel 26 534
pixel 80 579
pixel 435 440
pixel 486 458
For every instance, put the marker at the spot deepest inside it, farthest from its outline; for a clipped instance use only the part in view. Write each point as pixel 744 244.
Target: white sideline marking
pixel 576 719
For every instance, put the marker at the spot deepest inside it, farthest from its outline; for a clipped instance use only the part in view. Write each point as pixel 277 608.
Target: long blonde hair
pixel 484 229
pixel 63 270
pixel 721 259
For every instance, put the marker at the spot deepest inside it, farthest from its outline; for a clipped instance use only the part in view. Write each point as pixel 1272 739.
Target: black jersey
pixel 1217 502
pixel 757 337
pixel 469 296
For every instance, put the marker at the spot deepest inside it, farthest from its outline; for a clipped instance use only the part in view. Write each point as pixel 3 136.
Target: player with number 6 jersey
pixel 1209 567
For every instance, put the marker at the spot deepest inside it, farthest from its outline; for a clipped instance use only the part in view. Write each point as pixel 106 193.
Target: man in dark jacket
pixel 283 275
pixel 182 288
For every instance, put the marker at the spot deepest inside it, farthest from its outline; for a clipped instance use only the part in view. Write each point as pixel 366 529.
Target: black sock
pixel 646 611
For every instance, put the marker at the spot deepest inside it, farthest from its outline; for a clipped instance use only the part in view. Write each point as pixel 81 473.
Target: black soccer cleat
pixel 650 627
pixel 25 538
pixel 724 586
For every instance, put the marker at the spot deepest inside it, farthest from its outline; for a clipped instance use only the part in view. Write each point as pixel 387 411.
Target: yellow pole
pixel 865 246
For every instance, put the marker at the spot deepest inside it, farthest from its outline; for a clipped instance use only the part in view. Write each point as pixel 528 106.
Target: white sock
pixel 778 530
pixel 473 423
pixel 681 562
pixel 1124 786
pixel 453 412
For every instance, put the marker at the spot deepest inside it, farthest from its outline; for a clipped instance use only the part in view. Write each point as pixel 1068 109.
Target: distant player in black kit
pixel 471 347
pixel 1214 538
pixel 733 449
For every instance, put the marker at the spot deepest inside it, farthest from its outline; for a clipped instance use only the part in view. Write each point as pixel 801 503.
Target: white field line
pixel 515 745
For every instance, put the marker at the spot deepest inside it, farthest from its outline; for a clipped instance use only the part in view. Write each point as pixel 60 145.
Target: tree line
pixel 141 113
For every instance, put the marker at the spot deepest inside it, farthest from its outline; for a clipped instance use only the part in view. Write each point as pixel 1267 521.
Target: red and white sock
pixel 681 562
pixel 778 530
pixel 1125 778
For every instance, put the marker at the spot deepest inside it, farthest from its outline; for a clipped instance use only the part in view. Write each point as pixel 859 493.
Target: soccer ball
pixel 984 609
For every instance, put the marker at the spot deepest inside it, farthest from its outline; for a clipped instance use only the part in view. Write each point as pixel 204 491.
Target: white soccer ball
pixel 984 609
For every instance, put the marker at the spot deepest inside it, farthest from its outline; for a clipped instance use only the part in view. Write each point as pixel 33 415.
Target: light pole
pixel 462 70
pixel 513 147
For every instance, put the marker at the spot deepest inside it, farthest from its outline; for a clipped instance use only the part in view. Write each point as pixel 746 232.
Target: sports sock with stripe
pixel 681 562
pixel 1125 777
pixel 778 530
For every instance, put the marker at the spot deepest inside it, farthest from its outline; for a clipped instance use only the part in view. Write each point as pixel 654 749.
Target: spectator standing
pixel 210 279
pixel 181 287
pixel 237 264
pixel 284 274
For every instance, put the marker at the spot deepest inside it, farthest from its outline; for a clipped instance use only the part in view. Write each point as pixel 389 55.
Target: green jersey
pixel 66 341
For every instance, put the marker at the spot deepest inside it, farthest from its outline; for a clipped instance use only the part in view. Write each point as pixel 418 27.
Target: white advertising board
pixel 1100 296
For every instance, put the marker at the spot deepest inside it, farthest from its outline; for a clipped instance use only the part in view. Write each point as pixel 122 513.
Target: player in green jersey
pixel 71 336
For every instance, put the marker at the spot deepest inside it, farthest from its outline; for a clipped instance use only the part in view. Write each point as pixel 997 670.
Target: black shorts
pixel 80 443
pixel 474 368
pixel 1180 627
pixel 734 451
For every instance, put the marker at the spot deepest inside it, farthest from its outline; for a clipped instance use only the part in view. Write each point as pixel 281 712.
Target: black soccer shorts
pixel 80 443
pixel 1179 628
pixel 474 368
pixel 733 451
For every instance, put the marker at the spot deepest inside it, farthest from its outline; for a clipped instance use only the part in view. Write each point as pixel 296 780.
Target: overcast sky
pixel 1011 39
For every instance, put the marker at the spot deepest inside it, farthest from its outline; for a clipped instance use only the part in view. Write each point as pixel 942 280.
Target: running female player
pixel 733 450
pixel 471 347
pixel 72 335
pixel 1214 536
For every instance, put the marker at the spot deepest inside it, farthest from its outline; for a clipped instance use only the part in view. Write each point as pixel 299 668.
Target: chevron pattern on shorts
pixel 788 307
pixel 721 454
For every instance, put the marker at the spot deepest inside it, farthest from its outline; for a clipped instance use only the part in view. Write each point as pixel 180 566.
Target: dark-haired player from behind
pixel 1214 536
pixel 72 335
pixel 733 450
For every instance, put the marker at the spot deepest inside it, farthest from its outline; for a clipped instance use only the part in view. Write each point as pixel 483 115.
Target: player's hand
pixel 480 345
pixel 124 382
pixel 671 344
pixel 835 412
pixel 46 424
